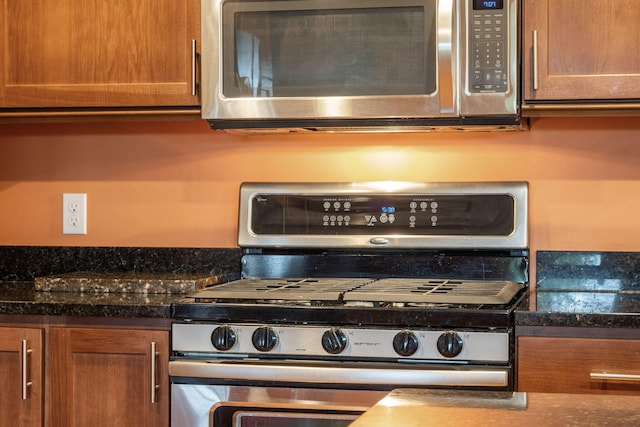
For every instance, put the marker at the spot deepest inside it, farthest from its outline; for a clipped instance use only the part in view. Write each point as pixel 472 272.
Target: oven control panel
pixel 252 340
pixel 443 215
pixel 359 214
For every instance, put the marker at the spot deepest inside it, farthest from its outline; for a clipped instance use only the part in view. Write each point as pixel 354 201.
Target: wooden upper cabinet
pixel 21 376
pixel 581 50
pixel 97 53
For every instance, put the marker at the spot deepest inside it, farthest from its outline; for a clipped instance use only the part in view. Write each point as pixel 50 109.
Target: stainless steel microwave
pixel 360 65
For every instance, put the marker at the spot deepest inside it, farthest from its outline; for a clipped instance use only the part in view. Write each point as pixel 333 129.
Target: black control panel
pixel 455 215
pixel 488 47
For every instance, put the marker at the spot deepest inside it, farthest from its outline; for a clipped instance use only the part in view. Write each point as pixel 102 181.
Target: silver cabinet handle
pixel 194 68
pixel 535 59
pixel 154 380
pixel 603 376
pixel 26 384
pixel 445 55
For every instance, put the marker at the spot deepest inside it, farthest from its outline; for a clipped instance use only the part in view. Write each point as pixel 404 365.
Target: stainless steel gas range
pixel 349 290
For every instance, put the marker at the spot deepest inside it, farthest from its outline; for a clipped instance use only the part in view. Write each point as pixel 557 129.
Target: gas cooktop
pixel 362 291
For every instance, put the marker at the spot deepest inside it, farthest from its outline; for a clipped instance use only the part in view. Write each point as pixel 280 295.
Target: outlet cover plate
pixel 74 213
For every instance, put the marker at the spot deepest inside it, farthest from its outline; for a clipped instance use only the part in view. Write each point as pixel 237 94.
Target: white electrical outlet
pixel 74 213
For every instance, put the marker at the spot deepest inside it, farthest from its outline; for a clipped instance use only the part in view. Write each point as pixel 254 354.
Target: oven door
pixel 264 393
pixel 208 405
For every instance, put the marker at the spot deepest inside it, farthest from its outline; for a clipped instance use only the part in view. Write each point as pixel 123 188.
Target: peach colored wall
pixel 176 184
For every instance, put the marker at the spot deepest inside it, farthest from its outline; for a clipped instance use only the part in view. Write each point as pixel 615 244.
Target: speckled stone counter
pixel 410 407
pixel 584 289
pixel 19 266
pixel 21 298
pixel 139 283
pixel 25 263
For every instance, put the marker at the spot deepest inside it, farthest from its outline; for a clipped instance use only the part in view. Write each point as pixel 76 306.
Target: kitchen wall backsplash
pixel 176 184
pixel 24 263
pixel 584 288
pixel 578 271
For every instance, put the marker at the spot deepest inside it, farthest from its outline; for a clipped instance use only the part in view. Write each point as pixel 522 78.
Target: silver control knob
pixel 264 339
pixel 334 341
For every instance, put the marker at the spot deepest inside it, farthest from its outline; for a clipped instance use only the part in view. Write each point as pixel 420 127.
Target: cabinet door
pixel 586 50
pixel 106 377
pixel 578 365
pixel 96 53
pixel 21 377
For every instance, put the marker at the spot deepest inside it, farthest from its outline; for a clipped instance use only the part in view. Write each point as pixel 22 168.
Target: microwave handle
pixel 445 55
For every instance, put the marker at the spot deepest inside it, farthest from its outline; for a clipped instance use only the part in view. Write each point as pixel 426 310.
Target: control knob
pixel 264 338
pixel 334 341
pixel 405 343
pixel 449 344
pixel 223 338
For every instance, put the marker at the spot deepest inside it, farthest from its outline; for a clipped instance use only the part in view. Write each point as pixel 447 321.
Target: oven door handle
pixel 247 371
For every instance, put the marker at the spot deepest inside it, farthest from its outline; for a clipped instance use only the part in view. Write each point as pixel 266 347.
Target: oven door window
pixel 361 48
pixel 289 419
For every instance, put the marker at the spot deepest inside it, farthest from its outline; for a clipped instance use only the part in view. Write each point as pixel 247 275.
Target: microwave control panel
pixel 488 54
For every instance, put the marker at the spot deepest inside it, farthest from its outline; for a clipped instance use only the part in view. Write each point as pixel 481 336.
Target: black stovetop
pixel 363 292
pixel 427 289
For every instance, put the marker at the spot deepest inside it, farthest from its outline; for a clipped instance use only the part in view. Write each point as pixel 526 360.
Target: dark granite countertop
pixel 573 289
pixel 22 298
pixel 584 289
pixel 123 282
pixel 580 309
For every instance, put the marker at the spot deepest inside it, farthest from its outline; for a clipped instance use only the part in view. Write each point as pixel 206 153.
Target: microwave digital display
pixel 487 4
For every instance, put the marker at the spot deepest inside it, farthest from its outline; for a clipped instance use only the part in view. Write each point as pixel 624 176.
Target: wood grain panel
pixel 563 365
pixel 92 53
pixel 587 49
pixel 102 377
pixel 14 410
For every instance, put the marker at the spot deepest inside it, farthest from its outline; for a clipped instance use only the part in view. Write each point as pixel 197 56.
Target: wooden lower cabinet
pixel 108 377
pixel 578 365
pixel 21 377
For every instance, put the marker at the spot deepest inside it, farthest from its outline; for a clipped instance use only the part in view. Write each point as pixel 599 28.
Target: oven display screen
pixel 478 215
pixel 487 4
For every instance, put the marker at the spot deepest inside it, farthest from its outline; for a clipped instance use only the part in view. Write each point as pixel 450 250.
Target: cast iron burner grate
pixel 283 289
pixel 436 291
pixel 364 290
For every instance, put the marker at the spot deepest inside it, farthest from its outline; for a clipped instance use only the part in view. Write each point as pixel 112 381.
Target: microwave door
pixel 333 60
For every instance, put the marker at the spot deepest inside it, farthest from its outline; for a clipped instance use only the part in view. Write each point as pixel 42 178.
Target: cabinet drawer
pixel 578 365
